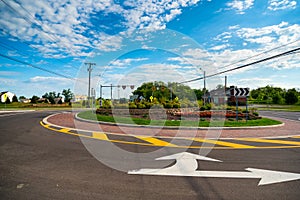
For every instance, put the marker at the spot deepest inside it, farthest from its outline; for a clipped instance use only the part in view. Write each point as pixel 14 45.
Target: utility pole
pixel 89 69
pixel 204 85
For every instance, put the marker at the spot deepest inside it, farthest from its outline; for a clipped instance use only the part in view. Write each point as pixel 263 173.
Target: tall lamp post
pixel 204 78
pixel 89 69
pixel 204 83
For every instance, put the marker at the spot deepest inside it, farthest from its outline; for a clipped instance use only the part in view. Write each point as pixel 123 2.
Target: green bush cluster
pixel 185 103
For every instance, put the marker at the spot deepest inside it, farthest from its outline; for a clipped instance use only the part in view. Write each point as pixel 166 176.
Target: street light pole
pixel 89 69
pixel 204 84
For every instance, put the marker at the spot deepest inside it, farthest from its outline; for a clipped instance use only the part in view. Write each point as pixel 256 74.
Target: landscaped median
pixel 178 118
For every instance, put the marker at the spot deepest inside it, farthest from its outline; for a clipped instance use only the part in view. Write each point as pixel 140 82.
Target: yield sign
pixel 186 165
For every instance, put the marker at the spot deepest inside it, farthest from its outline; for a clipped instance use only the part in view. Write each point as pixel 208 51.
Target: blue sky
pixel 133 41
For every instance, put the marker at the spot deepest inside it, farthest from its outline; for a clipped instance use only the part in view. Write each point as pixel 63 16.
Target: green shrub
pixel 141 105
pixel 132 105
pixel 157 106
pixel 208 106
pixel 176 105
pixel 168 105
pixel 255 113
pixel 121 105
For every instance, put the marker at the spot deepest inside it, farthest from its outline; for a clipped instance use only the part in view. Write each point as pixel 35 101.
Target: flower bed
pixel 177 114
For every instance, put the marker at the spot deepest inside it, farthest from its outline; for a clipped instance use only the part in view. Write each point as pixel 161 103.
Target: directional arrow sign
pixel 186 165
pixel 241 92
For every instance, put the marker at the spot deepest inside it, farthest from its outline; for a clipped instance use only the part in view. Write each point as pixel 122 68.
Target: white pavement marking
pixel 186 165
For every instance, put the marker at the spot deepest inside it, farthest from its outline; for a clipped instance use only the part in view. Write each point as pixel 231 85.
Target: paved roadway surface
pixel 282 114
pixel 38 163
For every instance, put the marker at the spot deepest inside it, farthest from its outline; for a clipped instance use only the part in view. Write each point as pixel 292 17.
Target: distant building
pixel 221 96
pixel 43 100
pixel 216 96
pixel 59 100
pixel 25 100
pixel 78 98
pixel 5 95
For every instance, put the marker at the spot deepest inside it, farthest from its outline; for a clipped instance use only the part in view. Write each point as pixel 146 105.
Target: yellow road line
pixel 100 136
pixel 222 143
pixel 156 141
pixel 298 136
pixel 64 130
pixel 270 141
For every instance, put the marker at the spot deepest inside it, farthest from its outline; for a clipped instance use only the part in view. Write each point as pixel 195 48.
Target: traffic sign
pixel 5 96
pixel 242 92
pixel 151 98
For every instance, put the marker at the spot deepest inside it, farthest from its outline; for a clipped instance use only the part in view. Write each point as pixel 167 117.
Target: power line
pixel 9 47
pixel 264 52
pixel 37 67
pixel 246 65
pixel 32 65
pixel 30 19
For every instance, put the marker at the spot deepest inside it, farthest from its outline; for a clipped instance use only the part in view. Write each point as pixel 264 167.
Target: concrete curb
pixel 15 111
pixel 175 127
pixel 45 121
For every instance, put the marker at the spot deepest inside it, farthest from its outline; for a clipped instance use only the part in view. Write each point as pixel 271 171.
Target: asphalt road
pixel 281 114
pixel 37 163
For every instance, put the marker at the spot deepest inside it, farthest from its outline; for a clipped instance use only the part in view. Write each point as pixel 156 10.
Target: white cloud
pixel 240 5
pixel 254 82
pixel 281 4
pixel 150 15
pixel 219 47
pixel 7 83
pixel 9 73
pixel 65 27
pixel 126 62
pixel 270 36
pixel 49 79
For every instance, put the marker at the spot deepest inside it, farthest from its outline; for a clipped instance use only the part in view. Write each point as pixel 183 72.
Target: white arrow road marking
pixel 186 165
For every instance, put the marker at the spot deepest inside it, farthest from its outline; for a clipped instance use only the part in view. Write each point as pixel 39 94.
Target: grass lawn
pixel 29 106
pixel 214 123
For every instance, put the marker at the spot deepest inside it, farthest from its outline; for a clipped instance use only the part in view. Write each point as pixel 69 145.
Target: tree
pixel 199 93
pixel 34 99
pixel 269 93
pixel 22 97
pixel 51 96
pixel 68 95
pixel 220 86
pixel 291 97
pixel 165 92
pixel 14 99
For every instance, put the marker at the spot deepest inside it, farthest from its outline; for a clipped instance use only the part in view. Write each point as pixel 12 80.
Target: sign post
pixel 241 92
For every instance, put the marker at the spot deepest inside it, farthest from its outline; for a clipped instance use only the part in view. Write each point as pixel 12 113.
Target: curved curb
pixel 16 111
pixel 177 127
pixel 104 137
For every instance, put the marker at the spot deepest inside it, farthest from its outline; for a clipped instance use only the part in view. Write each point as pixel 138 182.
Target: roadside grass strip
pixel 169 141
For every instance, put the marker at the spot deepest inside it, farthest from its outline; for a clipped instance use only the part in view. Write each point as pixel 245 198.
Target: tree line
pixel 275 95
pixel 48 96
